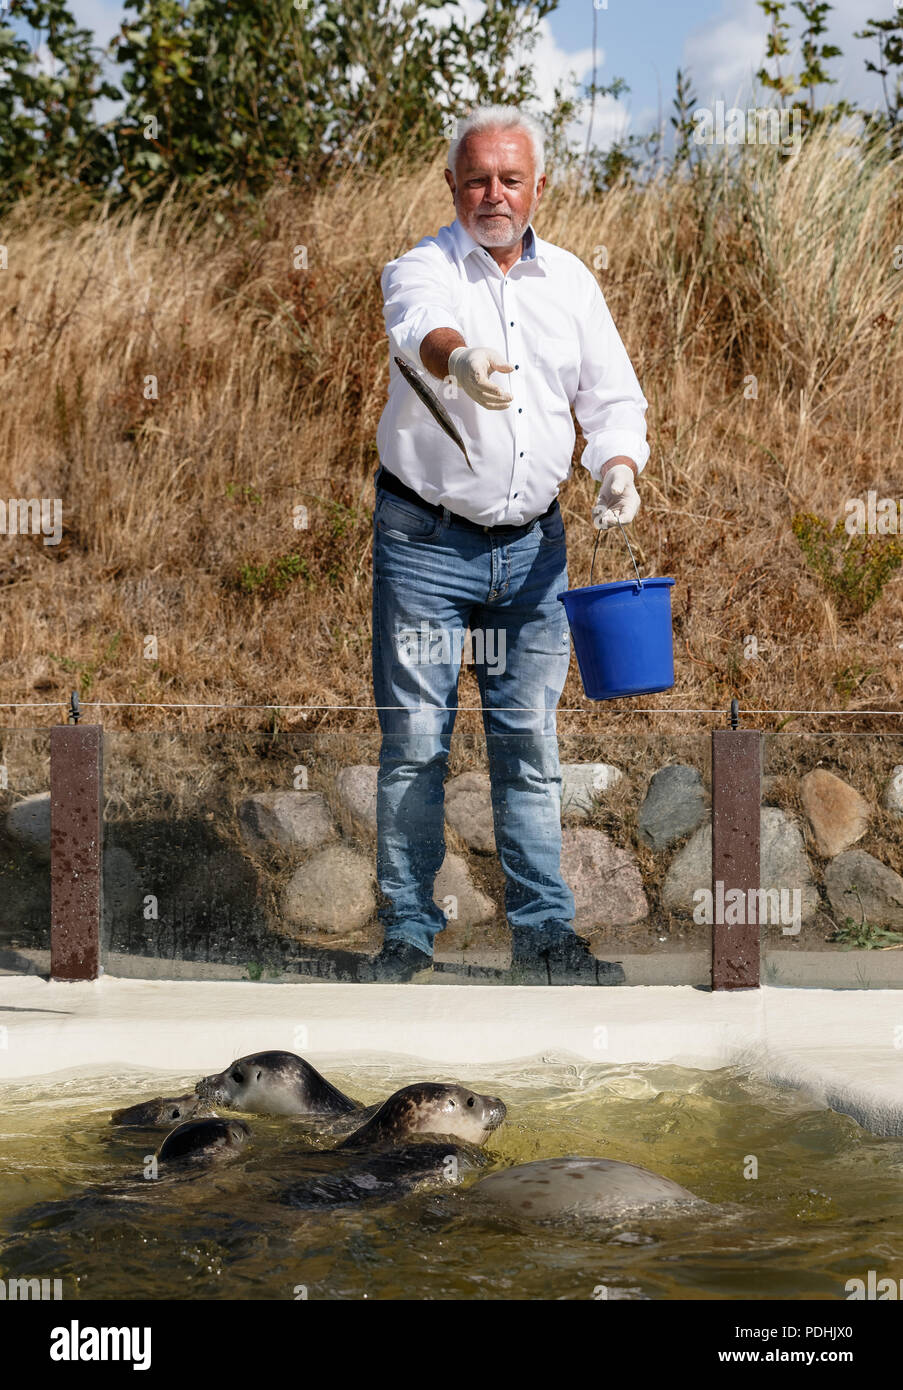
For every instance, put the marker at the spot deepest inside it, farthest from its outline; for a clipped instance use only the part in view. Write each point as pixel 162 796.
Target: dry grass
pixel 270 382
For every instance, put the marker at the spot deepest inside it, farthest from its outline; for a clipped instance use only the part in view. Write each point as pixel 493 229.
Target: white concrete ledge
pixel 842 1047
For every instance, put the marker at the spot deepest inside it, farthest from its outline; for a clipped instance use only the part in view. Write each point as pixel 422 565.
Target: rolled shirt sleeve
pixel 609 405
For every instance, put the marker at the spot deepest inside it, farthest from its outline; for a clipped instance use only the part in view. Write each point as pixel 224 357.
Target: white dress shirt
pixel 548 318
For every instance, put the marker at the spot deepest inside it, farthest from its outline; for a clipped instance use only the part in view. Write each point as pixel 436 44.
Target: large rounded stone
pixel 582 784
pixel 604 879
pixel 458 896
pixel 674 805
pixel 783 864
pixel 690 870
pixel 332 893
pixel 294 821
pixel 837 813
pixel 28 823
pixel 356 790
pixel 893 792
pixel 468 810
pixel 859 885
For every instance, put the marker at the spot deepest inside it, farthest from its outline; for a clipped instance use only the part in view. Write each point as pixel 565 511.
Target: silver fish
pixel 433 405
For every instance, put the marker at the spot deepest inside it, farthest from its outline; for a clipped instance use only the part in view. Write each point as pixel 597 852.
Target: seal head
pixel 275 1083
pixel 162 1110
pixel 429 1107
pixel 202 1139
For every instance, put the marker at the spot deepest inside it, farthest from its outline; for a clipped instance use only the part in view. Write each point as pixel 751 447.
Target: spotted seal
pixel 162 1110
pixel 197 1139
pixel 429 1107
pixel 275 1083
pixel 425 1133
pixel 552 1188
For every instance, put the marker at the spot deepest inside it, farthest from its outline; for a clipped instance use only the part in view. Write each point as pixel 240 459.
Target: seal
pixel 199 1139
pixel 162 1110
pixel 552 1188
pixel 429 1107
pixel 275 1083
pixel 385 1175
pixel 448 1124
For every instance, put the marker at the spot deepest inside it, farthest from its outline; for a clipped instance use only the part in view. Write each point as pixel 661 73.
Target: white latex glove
pixel 618 498
pixel 470 368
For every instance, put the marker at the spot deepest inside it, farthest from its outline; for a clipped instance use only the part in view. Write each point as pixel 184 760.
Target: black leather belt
pixel 388 482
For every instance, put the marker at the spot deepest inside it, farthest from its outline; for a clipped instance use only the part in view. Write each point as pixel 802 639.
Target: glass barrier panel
pixel 24 851
pixel 256 856
pixel 832 860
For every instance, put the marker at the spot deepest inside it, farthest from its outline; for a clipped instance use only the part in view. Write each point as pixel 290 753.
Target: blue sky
pixel 721 43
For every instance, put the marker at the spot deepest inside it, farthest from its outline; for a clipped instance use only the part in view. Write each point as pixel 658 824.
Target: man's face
pixel 494 185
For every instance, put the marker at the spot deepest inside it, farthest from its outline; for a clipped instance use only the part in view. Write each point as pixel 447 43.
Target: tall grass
pixel 761 308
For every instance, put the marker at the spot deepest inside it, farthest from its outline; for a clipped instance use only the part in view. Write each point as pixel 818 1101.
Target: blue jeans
pixel 434 578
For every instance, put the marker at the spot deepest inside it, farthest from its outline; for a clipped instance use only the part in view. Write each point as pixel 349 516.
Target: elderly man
pixel 482 550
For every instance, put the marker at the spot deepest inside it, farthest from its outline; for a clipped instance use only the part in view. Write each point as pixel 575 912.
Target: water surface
pixel 826 1204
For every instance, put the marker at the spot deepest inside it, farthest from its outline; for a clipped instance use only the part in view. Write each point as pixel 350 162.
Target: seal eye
pixel 471 1101
pixel 237 1076
pixel 176 1113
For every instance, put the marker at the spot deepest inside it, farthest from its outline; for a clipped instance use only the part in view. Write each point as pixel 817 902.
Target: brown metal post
pixel 76 850
pixel 736 810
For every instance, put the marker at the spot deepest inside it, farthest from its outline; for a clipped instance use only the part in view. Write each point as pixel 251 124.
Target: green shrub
pixel 274 576
pixel 853 568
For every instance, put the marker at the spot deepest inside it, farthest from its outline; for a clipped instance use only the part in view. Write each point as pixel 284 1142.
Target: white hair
pixel 499 118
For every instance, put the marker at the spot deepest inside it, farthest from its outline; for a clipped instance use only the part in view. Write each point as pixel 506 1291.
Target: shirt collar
pixel 531 250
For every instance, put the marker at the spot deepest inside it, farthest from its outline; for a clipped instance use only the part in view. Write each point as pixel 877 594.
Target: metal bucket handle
pixel 626 542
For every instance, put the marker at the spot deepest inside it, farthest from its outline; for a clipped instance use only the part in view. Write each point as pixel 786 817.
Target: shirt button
pixel 520 410
pixel 511 324
pixel 517 366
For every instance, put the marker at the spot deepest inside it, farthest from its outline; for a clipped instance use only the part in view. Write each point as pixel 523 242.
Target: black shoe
pixel 565 960
pixel 398 962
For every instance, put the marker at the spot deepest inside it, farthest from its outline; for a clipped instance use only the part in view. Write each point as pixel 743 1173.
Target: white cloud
pixel 724 54
pixel 552 65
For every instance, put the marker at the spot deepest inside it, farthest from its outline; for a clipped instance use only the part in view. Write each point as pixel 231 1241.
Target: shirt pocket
pixel 559 361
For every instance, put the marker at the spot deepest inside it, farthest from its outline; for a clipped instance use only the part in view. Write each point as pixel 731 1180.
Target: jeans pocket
pixel 404 521
pixel 551 528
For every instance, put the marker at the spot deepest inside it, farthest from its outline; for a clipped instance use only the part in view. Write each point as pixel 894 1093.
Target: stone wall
pixel 269 874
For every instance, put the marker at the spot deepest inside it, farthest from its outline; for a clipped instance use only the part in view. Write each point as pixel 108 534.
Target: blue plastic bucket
pixel 622 636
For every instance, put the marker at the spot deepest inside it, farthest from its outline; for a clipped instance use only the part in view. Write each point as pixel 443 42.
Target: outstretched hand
pixel 471 367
